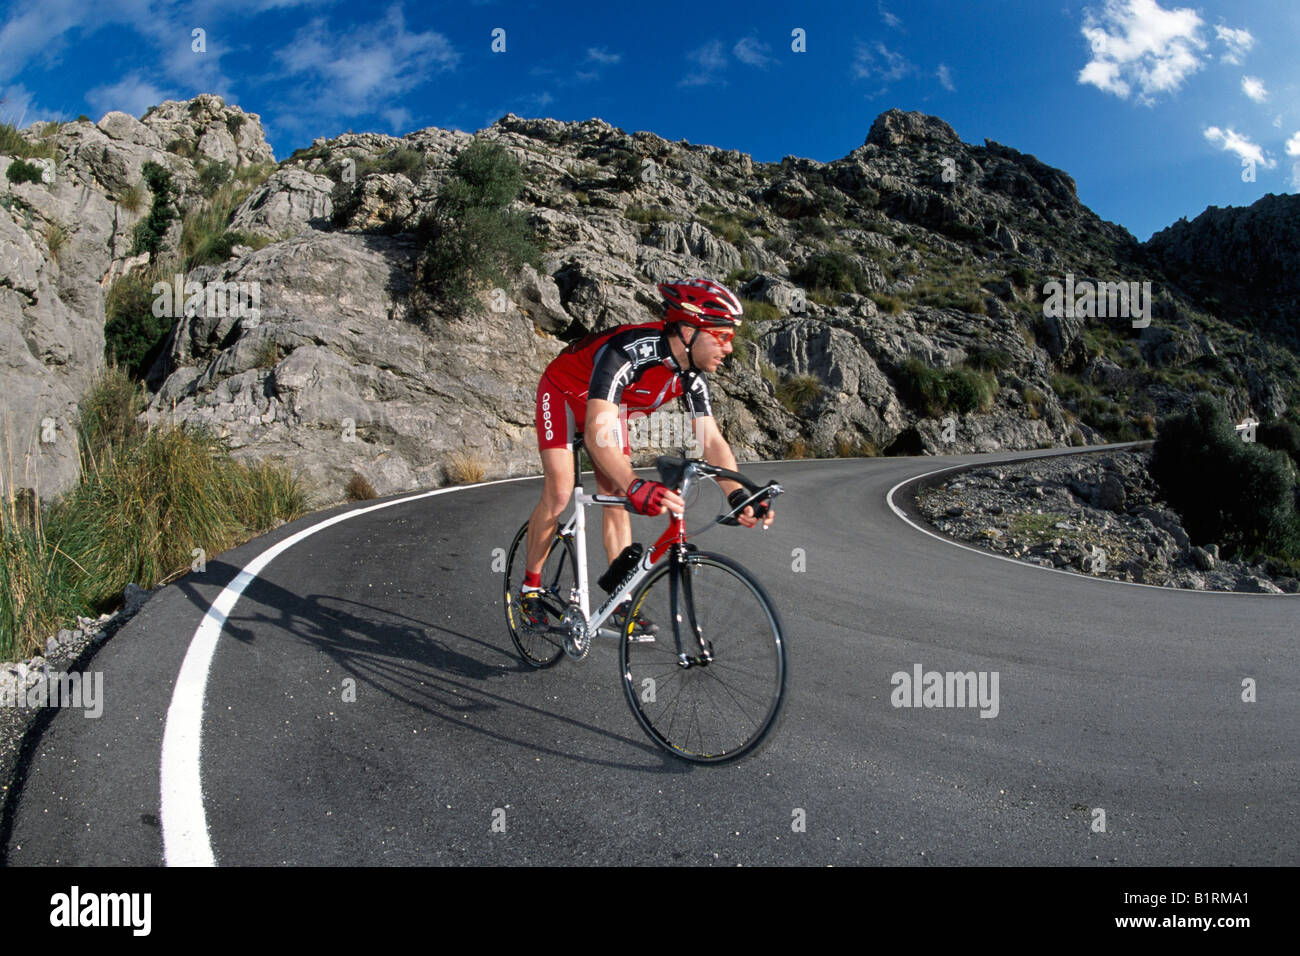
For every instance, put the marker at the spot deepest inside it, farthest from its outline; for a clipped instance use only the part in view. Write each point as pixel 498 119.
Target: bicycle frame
pixel 576 527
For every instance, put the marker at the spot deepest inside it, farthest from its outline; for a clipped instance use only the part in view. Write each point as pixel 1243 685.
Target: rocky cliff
pixel 1241 262
pixel 897 296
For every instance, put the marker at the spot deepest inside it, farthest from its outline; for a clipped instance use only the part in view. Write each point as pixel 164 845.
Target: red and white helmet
pixel 700 302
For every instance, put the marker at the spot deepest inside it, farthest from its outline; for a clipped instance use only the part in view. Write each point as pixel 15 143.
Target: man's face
pixel 707 351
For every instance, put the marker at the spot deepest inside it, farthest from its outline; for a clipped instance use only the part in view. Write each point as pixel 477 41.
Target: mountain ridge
pixel 905 281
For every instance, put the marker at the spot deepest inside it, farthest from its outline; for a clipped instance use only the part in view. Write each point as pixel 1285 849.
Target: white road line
pixel 889 499
pixel 184 820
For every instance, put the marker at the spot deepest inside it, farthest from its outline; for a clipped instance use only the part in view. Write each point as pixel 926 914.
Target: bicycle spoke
pixel 721 709
pixel 539 647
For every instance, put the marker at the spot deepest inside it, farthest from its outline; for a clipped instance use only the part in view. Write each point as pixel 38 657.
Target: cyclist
pixel 642 367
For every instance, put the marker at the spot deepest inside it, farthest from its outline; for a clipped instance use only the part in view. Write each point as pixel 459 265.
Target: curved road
pixel 1112 698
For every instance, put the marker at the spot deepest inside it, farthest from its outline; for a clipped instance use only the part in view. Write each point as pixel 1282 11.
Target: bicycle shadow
pixel 442 672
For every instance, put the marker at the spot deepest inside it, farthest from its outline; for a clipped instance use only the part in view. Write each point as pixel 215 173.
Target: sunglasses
pixel 723 336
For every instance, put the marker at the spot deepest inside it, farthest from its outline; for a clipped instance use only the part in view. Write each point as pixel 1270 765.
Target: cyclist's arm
pixel 717 452
pixel 604 439
pixel 714 448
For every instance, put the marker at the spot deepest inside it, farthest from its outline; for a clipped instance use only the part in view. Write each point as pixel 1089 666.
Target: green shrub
pixel 404 160
pixel 935 391
pixel 644 214
pixel 13 143
pixel 132 198
pixel 1237 494
pixel 475 241
pixel 150 231
pixel 726 227
pixel 832 272
pixel 797 392
pixel 814 227
pixel 1034 400
pixel 1281 435
pixel 146 499
pixel 758 311
pixel 133 335
pixel 212 176
pixel 56 237
pixel 108 415
pixel 204 235
pixel 777 246
pixel 21 171
pixel 887 303
pixel 989 360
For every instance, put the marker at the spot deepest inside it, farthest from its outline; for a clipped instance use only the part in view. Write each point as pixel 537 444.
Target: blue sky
pixel 1151 106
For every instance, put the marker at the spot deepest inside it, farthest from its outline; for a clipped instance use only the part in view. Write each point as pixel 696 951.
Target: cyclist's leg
pixel 617 526
pixel 557 491
pixel 555 430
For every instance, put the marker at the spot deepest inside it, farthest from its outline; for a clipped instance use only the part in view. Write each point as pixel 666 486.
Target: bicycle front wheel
pixel 704 659
pixel 537 644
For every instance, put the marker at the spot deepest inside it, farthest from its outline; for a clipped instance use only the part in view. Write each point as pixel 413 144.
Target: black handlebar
pixel 677 473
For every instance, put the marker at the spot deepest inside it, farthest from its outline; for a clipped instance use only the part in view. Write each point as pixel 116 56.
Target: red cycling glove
pixel 646 497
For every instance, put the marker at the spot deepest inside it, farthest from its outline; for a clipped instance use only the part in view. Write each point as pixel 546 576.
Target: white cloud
pixel 1139 44
pixel 751 51
pixel 1293 149
pixel 398 119
pixel 709 60
pixel 131 94
pixel 1231 141
pixel 18 107
pixel 1253 87
pixel 889 18
pixel 1238 43
pixel 945 78
pixel 362 69
pixel 881 64
pixel 600 56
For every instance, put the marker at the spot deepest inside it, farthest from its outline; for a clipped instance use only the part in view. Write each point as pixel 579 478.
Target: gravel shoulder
pixel 1098 514
pixel 21 693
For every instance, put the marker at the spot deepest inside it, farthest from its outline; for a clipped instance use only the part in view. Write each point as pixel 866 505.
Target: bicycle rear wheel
pixel 725 700
pixel 538 646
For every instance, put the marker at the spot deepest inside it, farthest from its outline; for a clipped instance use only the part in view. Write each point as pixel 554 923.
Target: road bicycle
pixel 702 650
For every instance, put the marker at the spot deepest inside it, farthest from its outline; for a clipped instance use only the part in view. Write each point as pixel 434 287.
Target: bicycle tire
pixel 743 687
pixel 559 578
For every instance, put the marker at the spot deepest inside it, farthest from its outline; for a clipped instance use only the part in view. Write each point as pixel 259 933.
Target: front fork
pixel 682 600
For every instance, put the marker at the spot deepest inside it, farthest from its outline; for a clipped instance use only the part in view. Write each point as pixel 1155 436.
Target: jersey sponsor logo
pixel 644 349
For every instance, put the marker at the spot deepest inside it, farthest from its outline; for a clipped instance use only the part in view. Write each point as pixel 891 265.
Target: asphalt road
pixel 1111 697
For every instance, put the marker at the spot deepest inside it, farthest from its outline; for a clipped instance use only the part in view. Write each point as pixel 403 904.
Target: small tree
pixel 151 230
pixel 474 239
pixel 21 171
pixel 1238 494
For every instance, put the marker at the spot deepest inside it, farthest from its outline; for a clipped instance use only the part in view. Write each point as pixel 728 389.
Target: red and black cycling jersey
pixel 631 365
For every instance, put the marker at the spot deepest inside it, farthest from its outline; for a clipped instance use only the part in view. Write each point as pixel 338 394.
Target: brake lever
pixel 767 492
